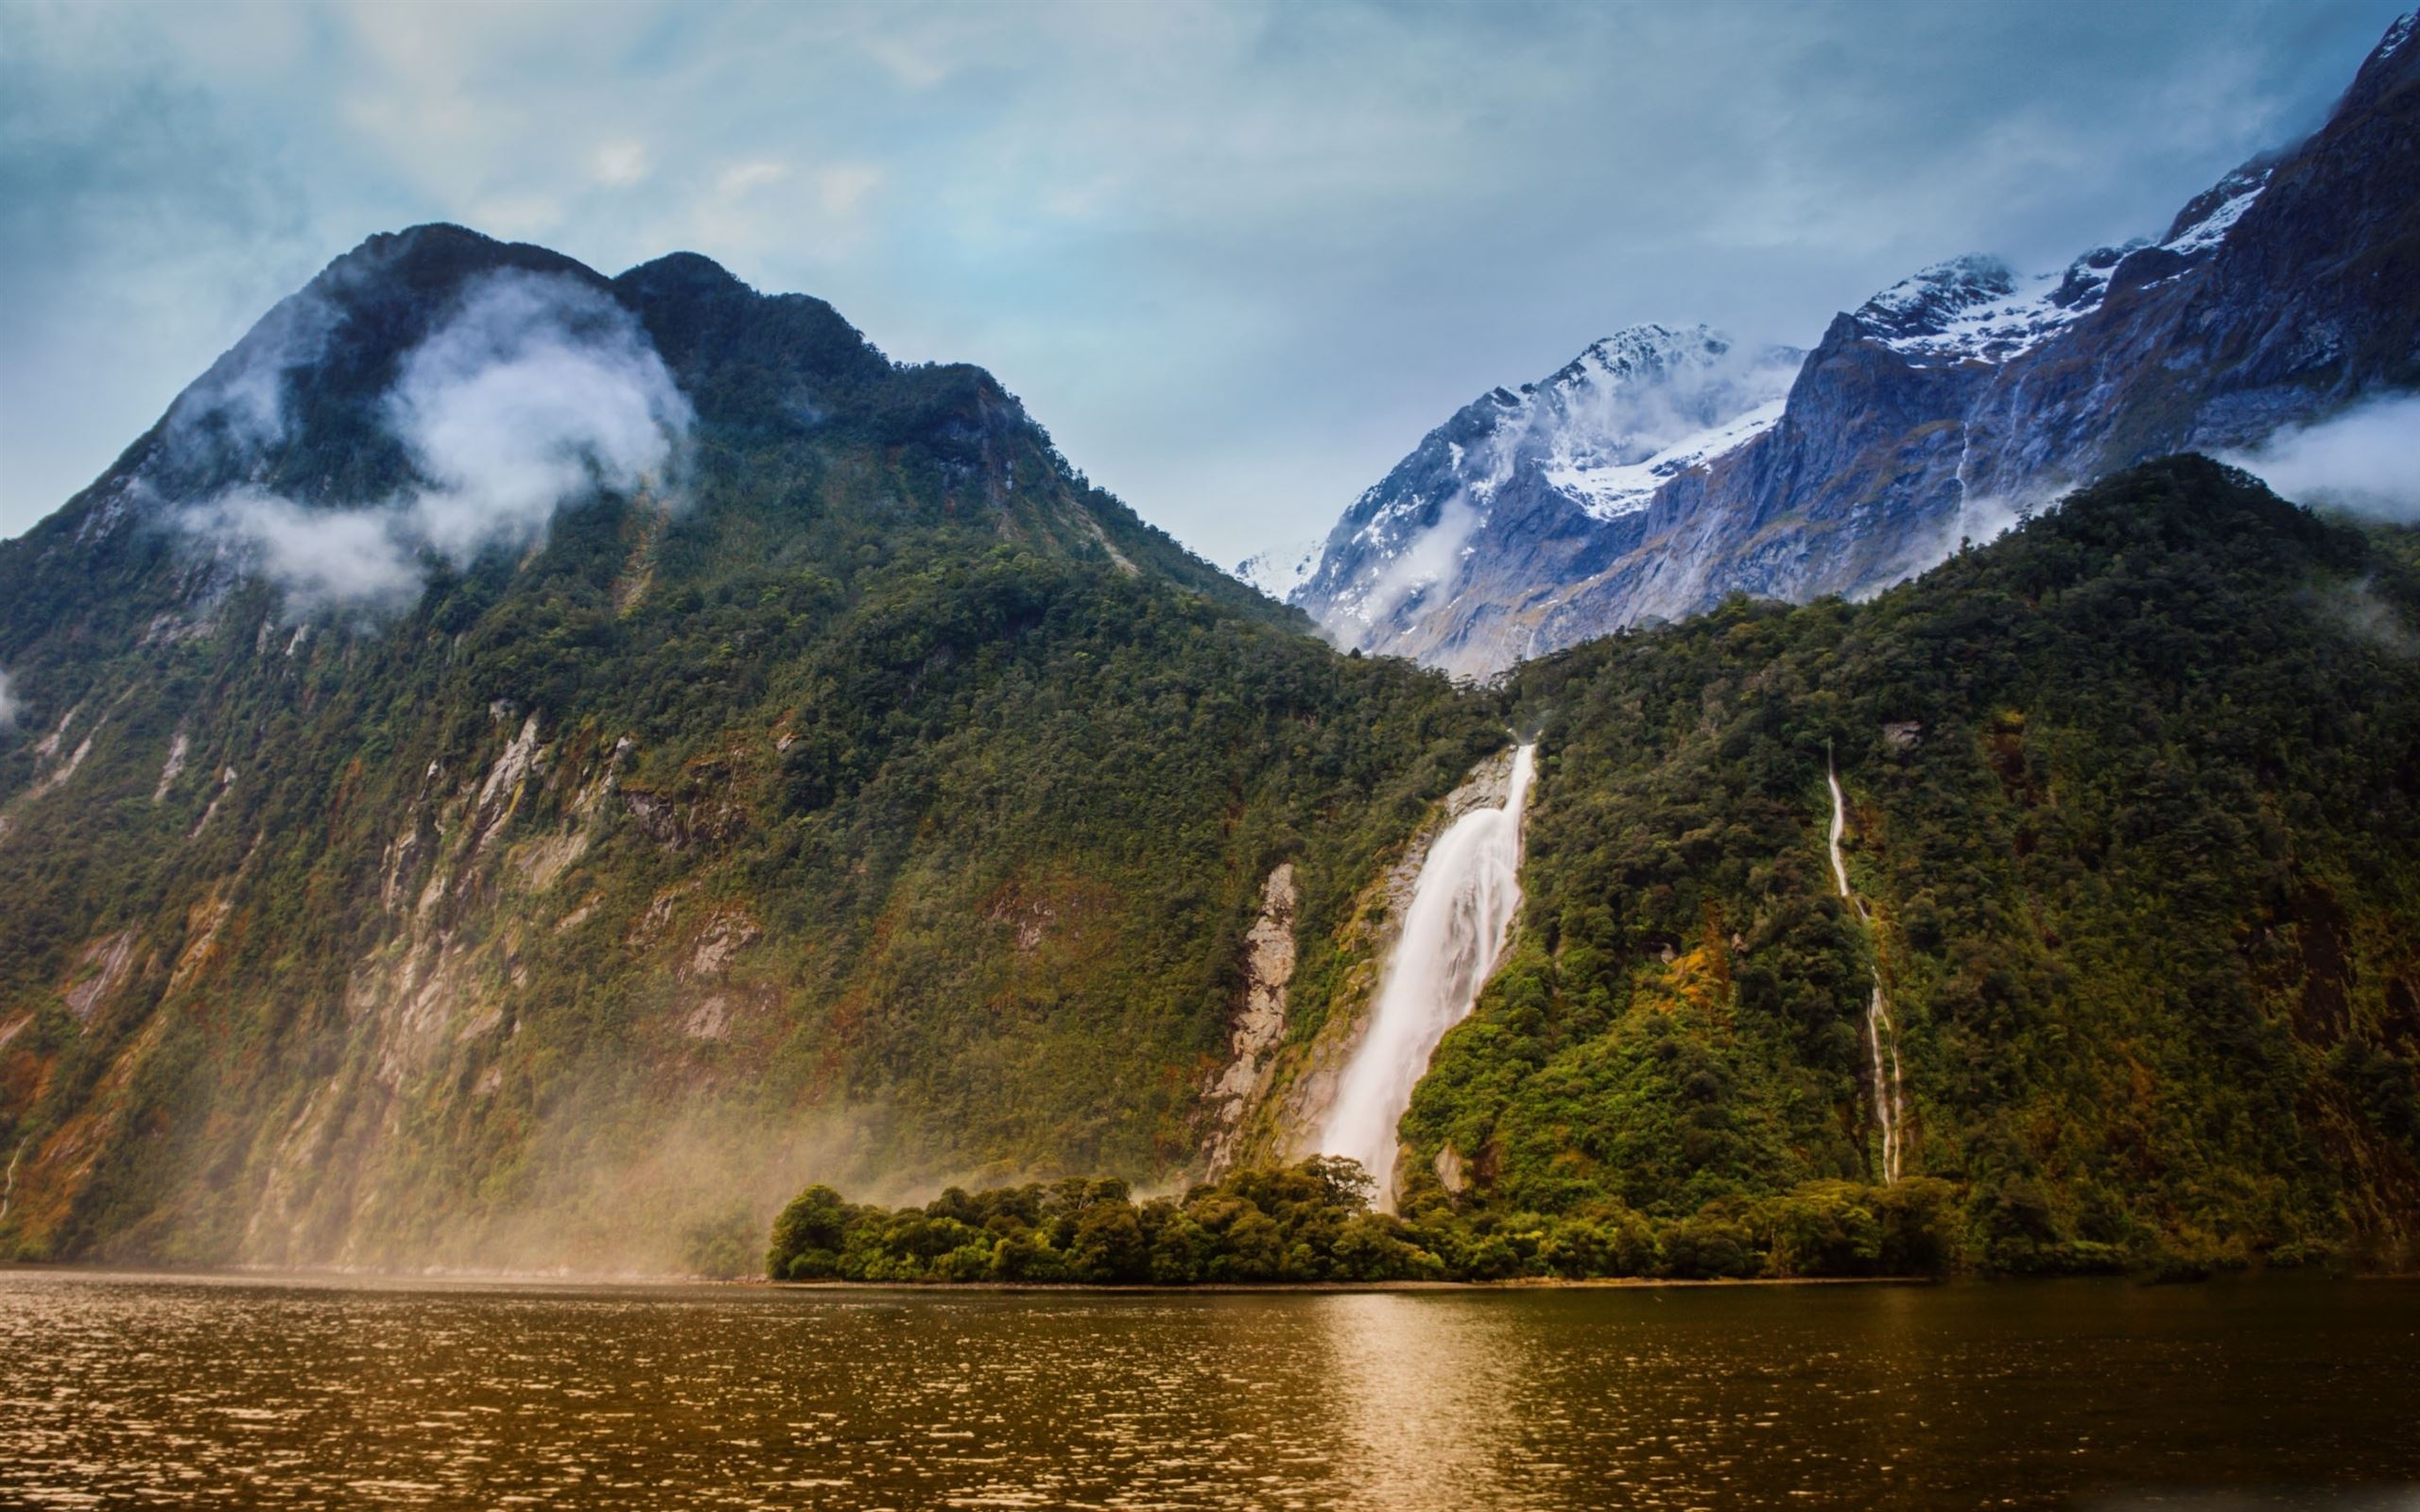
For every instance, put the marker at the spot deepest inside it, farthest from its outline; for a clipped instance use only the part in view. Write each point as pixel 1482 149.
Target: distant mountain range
pixel 1665 468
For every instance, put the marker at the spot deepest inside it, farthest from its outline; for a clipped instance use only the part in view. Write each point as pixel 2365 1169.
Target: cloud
pixel 1426 560
pixel 11 705
pixel 536 393
pixel 238 405
pixel 323 558
pixel 618 165
pixel 2365 459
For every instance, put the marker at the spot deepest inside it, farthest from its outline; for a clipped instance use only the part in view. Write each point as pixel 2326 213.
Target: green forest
pixel 1313 1222
pixel 2132 792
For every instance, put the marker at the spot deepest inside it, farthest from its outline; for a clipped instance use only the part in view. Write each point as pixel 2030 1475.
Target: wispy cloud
pixel 10 706
pixel 2365 459
pixel 537 392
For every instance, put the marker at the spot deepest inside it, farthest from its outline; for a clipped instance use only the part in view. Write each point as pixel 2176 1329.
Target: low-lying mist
pixel 2365 459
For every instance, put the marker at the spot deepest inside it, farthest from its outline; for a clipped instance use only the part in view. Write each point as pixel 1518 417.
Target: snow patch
pixel 1280 570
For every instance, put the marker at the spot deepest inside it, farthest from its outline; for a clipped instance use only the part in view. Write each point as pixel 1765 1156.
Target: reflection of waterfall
pixel 1461 908
pixel 1878 1030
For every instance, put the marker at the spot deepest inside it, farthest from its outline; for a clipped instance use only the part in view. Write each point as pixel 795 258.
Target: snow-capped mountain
pixel 1280 570
pixel 1661 470
pixel 1593 443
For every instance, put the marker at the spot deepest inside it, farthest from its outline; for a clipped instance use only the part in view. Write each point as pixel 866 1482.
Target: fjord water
pixel 122 1390
pixel 1461 908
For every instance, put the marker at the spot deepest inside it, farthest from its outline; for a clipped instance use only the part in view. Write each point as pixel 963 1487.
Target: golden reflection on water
pixel 288 1394
pixel 1424 1400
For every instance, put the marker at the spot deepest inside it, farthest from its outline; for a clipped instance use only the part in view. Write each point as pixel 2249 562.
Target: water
pixel 120 1390
pixel 1881 1036
pixel 1462 904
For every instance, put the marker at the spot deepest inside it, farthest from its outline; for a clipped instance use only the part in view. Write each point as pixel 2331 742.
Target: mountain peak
pixel 1927 302
pixel 681 272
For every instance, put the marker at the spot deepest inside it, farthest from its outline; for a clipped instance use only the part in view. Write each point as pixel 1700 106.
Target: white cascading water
pixel 1879 1033
pixel 1461 909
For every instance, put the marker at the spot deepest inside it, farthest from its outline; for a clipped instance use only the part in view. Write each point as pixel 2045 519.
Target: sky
pixel 1236 258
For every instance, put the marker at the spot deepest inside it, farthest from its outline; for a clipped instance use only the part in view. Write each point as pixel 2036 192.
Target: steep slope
pixel 1947 406
pixel 2132 797
pixel 1412 568
pixel 519 767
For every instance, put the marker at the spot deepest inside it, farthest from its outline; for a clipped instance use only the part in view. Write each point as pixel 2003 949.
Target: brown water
pixel 125 1390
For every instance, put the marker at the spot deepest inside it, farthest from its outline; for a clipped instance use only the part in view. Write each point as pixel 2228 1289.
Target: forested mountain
pixel 2131 800
pixel 1940 409
pixel 516 766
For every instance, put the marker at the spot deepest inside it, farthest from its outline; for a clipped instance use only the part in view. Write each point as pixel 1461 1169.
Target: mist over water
pixel 1461 909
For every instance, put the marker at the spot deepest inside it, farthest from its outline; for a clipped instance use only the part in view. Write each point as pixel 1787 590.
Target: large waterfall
pixel 1461 909
pixel 1879 1033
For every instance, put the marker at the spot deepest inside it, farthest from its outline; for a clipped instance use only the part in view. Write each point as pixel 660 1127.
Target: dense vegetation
pixel 1313 1222
pixel 2135 797
pixel 899 800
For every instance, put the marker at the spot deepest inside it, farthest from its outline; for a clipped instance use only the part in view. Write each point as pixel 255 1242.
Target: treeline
pixel 1313 1222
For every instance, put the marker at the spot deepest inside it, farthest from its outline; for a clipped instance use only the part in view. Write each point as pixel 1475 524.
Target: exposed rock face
pixel 1260 1020
pixel 1940 410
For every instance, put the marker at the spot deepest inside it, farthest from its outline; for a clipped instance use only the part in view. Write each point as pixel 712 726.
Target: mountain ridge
pixel 1948 405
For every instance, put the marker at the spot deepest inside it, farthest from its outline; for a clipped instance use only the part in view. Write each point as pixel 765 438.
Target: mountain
pixel 1942 408
pixel 1280 570
pixel 521 767
pixel 1560 461
pixel 2130 957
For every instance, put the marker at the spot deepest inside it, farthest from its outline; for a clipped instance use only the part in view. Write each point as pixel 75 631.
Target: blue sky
pixel 1236 257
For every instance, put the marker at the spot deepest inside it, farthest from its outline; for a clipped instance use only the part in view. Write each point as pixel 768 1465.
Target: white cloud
pixel 745 178
pixel 1433 556
pixel 323 558
pixel 11 705
pixel 618 165
pixel 2366 459
pixel 842 190
pixel 537 392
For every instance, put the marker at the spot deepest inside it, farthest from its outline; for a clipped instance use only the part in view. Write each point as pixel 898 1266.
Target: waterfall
pixel 1461 908
pixel 10 1192
pixel 1879 1033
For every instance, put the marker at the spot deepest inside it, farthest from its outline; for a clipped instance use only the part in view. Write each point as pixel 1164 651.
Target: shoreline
pixel 334 1278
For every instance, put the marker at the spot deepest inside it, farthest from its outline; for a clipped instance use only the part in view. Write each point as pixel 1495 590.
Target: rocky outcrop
pixel 1430 561
pixel 1260 1017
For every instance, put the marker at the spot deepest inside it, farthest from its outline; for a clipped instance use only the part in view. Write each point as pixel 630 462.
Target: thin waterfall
pixel 1461 910
pixel 9 1192
pixel 1879 1032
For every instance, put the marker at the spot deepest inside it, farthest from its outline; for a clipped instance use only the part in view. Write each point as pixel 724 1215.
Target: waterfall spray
pixel 1461 909
pixel 1879 1032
